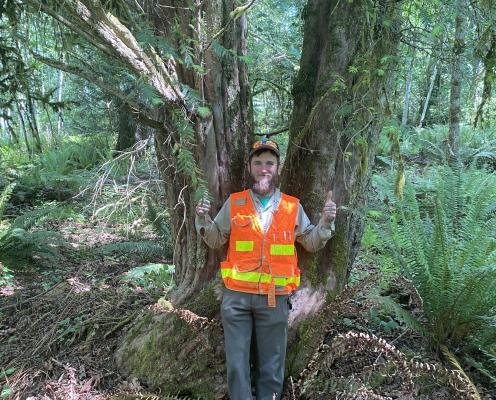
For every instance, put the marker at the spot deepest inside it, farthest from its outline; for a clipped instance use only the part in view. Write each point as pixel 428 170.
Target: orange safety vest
pixel 257 261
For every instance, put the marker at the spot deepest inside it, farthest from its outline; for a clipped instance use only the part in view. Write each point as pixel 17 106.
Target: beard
pixel 264 186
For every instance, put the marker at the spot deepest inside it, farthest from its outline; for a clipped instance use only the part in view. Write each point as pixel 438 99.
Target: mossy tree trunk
pixel 456 85
pixel 221 138
pixel 340 102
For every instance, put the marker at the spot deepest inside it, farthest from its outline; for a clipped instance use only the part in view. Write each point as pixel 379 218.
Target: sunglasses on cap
pixel 268 143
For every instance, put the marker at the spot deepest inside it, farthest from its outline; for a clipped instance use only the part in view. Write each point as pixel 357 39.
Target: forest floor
pixel 60 328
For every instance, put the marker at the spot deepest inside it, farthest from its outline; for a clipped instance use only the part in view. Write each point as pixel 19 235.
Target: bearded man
pixel 261 271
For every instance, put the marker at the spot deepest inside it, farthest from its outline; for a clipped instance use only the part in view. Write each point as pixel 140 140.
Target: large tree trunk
pixel 339 105
pixel 408 85
pixel 456 84
pixel 489 75
pixel 221 138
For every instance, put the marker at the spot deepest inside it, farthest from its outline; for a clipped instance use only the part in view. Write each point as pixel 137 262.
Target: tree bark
pixel 408 85
pixel 20 111
pixel 60 91
pixel 489 75
pixel 126 127
pixel 339 105
pixel 428 96
pixel 33 124
pixel 456 84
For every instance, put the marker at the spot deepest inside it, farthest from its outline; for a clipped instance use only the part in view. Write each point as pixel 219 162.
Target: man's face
pixel 263 169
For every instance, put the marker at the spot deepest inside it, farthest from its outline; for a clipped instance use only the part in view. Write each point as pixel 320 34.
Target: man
pixel 261 270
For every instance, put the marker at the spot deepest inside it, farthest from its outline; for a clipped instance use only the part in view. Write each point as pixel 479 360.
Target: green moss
pixel 339 254
pixel 167 353
pixel 304 83
pixel 311 270
pixel 303 346
pixel 362 150
pixel 206 302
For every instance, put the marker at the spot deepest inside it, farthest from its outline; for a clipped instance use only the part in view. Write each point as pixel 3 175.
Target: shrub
pixel 20 244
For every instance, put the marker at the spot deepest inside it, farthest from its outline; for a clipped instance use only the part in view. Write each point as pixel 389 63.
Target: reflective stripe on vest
pixel 257 277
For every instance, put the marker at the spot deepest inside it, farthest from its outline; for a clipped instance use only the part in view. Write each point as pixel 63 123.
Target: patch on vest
pixel 240 202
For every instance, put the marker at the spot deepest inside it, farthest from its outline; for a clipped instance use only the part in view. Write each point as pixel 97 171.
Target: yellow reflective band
pixel 258 277
pixel 244 245
pixel 281 249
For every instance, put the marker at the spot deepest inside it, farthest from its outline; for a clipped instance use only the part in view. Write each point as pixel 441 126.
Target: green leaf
pixel 204 112
pixel 353 69
pixel 6 392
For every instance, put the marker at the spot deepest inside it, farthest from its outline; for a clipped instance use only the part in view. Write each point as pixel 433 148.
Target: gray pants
pixel 243 313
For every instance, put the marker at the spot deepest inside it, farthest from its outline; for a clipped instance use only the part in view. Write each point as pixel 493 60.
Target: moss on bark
pixel 167 353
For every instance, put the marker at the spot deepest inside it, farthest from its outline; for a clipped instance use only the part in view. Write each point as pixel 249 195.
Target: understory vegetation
pixel 426 272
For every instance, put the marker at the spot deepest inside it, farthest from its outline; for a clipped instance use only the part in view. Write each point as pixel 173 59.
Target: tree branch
pixel 107 33
pixel 143 116
pixel 269 134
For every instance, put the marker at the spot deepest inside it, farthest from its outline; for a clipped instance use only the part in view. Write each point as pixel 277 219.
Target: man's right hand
pixel 202 208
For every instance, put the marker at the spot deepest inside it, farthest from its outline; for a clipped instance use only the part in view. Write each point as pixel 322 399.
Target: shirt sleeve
pixel 311 237
pixel 215 232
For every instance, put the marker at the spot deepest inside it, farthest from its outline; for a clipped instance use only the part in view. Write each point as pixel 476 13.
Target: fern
pixel 145 248
pixel 149 275
pixel 446 245
pixel 31 218
pixel 160 226
pixel 186 163
pixel 20 245
pixel 4 198
pixel 486 367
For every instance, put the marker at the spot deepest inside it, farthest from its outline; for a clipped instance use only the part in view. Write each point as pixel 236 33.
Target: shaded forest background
pixel 116 117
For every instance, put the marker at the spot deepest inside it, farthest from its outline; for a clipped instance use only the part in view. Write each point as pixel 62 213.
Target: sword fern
pixel 446 245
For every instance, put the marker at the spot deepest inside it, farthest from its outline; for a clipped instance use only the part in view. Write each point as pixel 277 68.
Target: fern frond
pixel 454 361
pixel 33 217
pixel 160 226
pixel 4 197
pixel 483 369
pixel 145 248
pixel 19 245
pixel 403 315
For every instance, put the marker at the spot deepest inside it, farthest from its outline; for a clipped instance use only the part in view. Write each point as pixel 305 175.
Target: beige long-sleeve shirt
pixel 216 232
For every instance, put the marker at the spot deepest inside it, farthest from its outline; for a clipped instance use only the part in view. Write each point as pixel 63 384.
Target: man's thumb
pixel 329 196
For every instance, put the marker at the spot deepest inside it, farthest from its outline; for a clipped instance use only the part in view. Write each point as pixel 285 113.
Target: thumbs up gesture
pixel 329 212
pixel 203 207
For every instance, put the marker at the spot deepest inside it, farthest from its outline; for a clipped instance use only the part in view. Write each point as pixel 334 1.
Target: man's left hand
pixel 329 212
